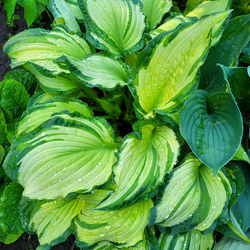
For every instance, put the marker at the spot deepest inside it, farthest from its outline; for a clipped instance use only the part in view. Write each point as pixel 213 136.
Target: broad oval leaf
pixel 193 240
pixel 60 9
pixel 48 169
pixel 74 7
pixel 30 11
pixel 9 6
pixel 10 223
pixel 212 126
pixel 50 220
pixel 143 161
pixel 99 71
pixel 193 198
pixel 231 244
pixel 155 10
pixel 42 46
pixel 41 112
pixel 115 26
pixel 124 227
pixel 169 73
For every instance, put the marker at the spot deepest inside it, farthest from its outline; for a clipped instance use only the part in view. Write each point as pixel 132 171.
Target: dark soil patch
pixel 5 32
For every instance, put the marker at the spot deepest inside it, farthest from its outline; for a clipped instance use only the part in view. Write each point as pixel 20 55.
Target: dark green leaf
pixel 10 223
pixel 212 126
pixel 30 11
pixel 239 84
pixel 9 6
pixel 24 77
pixel 226 52
pixel 14 97
pixel 3 127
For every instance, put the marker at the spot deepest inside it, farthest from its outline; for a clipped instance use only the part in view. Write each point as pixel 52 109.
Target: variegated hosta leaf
pixel 193 199
pixel 231 244
pixel 193 240
pixel 60 9
pixel 69 153
pixel 144 160
pixel 170 74
pixel 43 46
pixel 50 220
pixel 124 227
pixel 41 112
pixel 191 4
pixel 170 24
pixel 38 48
pixel 155 10
pixel 63 83
pixel 204 8
pixel 74 7
pixel 209 7
pixel 116 26
pixel 105 245
pixel 99 71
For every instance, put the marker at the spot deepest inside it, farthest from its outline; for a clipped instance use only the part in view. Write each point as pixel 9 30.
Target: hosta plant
pixel 134 135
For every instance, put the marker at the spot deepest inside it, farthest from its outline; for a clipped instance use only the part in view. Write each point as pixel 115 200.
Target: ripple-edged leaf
pixel 193 198
pixel 189 241
pixel 145 157
pixel 69 153
pixel 231 244
pixel 99 71
pixel 124 227
pixel 41 112
pixel 116 26
pixel 51 220
pixel 212 126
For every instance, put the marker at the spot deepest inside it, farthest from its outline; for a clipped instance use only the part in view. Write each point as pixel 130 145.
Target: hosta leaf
pixel 43 46
pixel 115 26
pixel 189 241
pixel 62 84
pixel 212 126
pixel 191 4
pixel 239 84
pixel 51 219
pixel 10 224
pixel 47 169
pixel 145 157
pixel 39 113
pixel 155 10
pixel 170 24
pixel 124 227
pixel 231 244
pixel 3 128
pixel 30 11
pixel 226 52
pixel 75 9
pixel 193 199
pixel 171 71
pixel 24 77
pixel 209 7
pixel 241 155
pixel 60 9
pixel 14 97
pixel 9 6
pixel 99 71
pixel 246 54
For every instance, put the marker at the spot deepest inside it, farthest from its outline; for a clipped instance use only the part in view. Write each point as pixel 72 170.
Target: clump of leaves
pixel 179 176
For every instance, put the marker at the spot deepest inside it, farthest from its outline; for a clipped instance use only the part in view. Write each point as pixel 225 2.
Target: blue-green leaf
pixel 212 126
